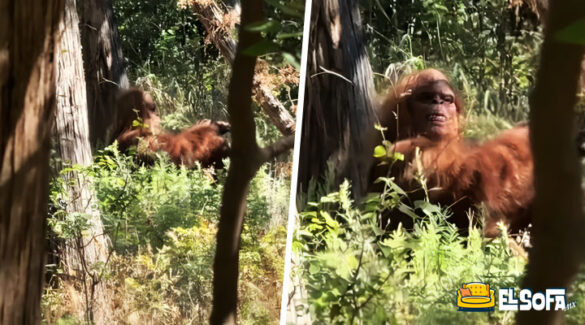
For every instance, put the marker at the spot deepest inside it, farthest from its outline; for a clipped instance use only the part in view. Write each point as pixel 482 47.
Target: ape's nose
pixel 437 100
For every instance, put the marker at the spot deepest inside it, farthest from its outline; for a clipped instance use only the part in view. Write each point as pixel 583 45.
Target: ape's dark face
pixel 433 110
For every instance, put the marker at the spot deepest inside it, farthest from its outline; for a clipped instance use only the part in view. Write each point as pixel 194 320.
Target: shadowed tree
pixel 105 73
pixel 246 157
pixel 559 224
pixel 82 254
pixel 28 44
pixel 339 103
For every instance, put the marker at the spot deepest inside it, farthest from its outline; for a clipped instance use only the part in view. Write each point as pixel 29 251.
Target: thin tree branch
pixel 279 147
pixel 245 161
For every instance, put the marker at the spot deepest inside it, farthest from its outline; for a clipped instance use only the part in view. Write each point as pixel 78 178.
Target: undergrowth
pixel 355 273
pixel 162 221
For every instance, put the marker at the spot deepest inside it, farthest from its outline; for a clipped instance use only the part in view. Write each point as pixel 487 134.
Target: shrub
pixel 356 273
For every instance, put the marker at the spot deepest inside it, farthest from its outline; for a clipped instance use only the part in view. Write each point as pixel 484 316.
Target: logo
pixel 476 296
pixel 526 300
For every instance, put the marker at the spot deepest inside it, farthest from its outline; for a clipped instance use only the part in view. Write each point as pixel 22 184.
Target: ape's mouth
pixel 436 117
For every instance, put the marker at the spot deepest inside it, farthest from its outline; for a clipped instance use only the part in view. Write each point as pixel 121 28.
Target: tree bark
pixel 211 16
pixel 338 113
pixel 105 73
pixel 559 223
pixel 27 100
pixel 245 159
pixel 82 254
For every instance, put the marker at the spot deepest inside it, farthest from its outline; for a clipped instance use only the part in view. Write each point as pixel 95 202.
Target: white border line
pixel 292 209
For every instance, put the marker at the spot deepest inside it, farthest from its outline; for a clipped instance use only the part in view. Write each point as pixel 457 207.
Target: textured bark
pixel 90 248
pixel 105 73
pixel 244 163
pixel 275 111
pixel 245 159
pixel 211 16
pixel 559 223
pixel 27 101
pixel 338 115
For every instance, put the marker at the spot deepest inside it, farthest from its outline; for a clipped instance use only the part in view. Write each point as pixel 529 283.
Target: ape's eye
pixel 425 96
pixel 448 99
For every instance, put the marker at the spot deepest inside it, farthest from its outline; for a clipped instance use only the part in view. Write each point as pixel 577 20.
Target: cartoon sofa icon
pixel 475 296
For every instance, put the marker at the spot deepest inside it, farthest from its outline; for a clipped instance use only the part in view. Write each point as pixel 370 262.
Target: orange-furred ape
pixel 402 121
pixel 498 173
pixel 131 105
pixel 202 142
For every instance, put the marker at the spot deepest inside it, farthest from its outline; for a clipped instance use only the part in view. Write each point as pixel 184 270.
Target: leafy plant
pixel 161 220
pixel 356 273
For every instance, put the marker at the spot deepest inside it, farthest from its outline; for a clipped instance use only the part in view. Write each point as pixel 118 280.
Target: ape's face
pixel 433 110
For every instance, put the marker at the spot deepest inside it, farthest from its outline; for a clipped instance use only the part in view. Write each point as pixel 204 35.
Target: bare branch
pixel 279 147
pixel 276 112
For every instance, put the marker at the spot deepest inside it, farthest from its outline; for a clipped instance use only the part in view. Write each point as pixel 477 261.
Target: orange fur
pixel 201 142
pixel 497 173
pixel 134 104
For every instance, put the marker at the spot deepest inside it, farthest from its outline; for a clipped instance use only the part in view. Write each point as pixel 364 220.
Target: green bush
pixel 356 273
pixel 162 221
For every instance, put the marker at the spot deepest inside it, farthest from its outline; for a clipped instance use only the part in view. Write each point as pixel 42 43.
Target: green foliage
pixel 354 272
pixel 488 48
pixel 162 220
pixel 174 285
pixel 139 204
pixel 282 32
pixel 169 56
pixel 182 103
pixel 483 126
pixel 160 34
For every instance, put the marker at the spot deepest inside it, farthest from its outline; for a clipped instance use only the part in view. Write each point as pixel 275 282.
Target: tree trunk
pixel 245 159
pixel 27 100
pixel 338 117
pixel 559 224
pixel 80 255
pixel 105 73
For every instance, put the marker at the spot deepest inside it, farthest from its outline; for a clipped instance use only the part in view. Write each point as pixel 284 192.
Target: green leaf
pixel 379 127
pixel 398 156
pixel 261 48
pixel 287 10
pixel 314 268
pixel 328 220
pixel 407 210
pixel 266 26
pixel 289 35
pixel 574 33
pixel 379 151
pixel 309 214
pixel 428 208
pixel 292 60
